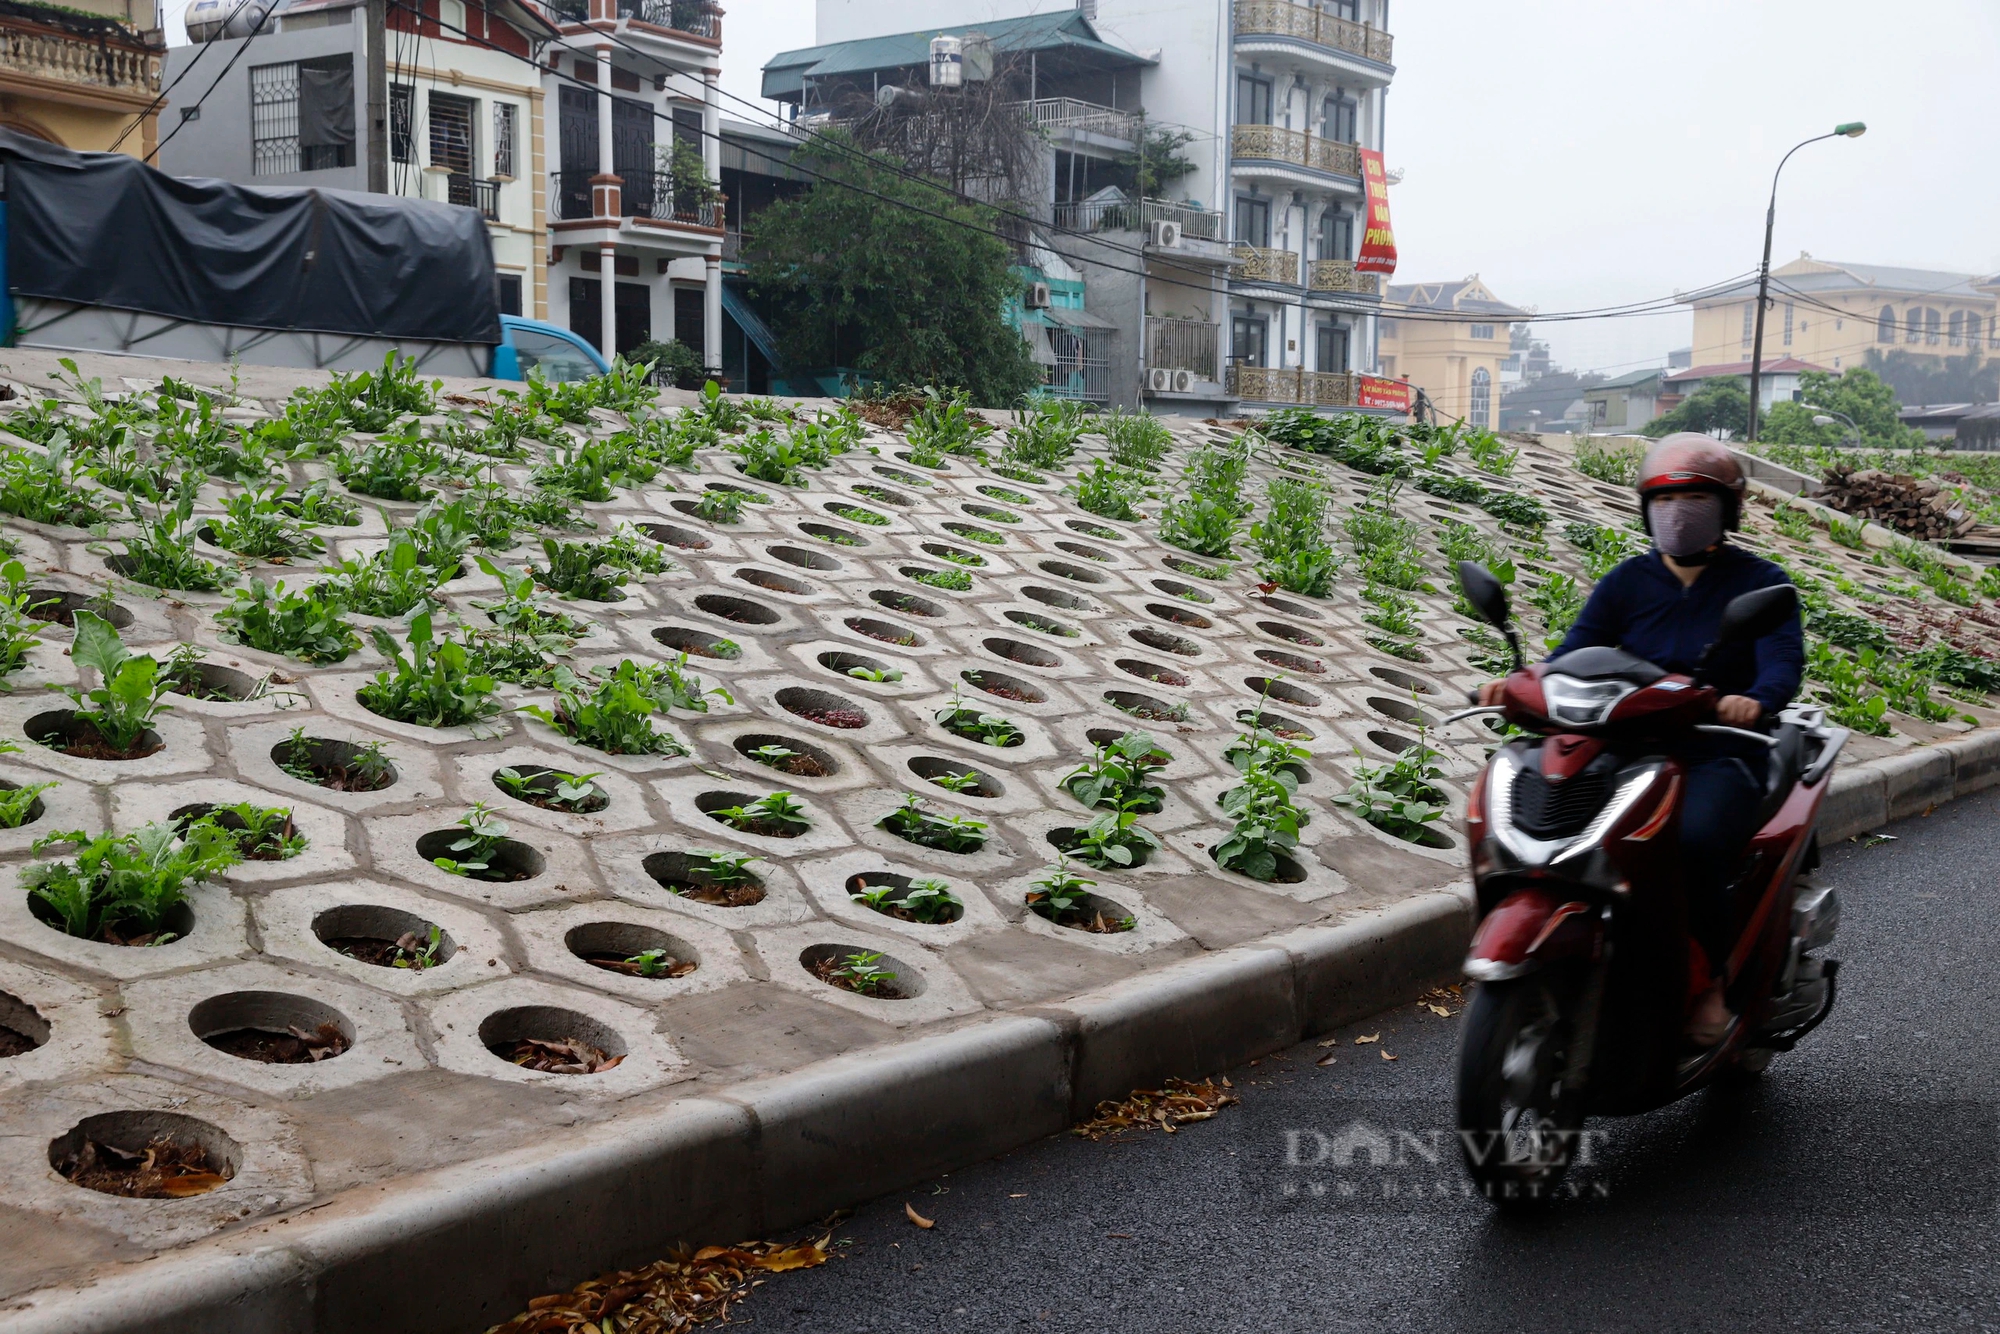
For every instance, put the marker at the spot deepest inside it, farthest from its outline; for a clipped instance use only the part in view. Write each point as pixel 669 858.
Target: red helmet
pixel 1689 461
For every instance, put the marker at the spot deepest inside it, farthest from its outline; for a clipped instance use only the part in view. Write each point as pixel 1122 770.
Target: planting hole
pixel 1390 741
pixel 35 811
pixel 1062 569
pixel 539 785
pixel 1287 872
pixel 1166 643
pixel 1180 616
pixel 698 877
pixel 1174 588
pixel 907 603
pixel 740 610
pixel 510 862
pixel 1291 662
pixel 1055 597
pixel 885 631
pixel 826 532
pixel 1284 691
pixel 1096 530
pixel 337 766
pixel 696 643
pixel 272 1027
pixel 991 513
pixel 55 607
pixel 1088 553
pixel 1153 671
pixel 1291 634
pixel 552 1041
pixel 1013 650
pixel 146 1155
pixel 72 734
pixel 1146 707
pixel 805 760
pixel 1403 680
pixel 672 536
pixel 1086 912
pixel 805 560
pixel 632 950
pixel 384 937
pixel 22 1029
pixel 208 681
pixel 892 904
pixel 268 846
pixel 1401 710
pixel 1006 687
pixel 1285 608
pixel 862 971
pixel 822 707
pixel 1277 724
pixel 775 583
pixel 174 925
pixel 719 807
pixel 956 555
pixel 973 533
pixel 1046 625
pixel 956 777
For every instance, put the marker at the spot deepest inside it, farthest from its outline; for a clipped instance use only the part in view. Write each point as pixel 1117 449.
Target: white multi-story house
pixel 556 121
pixel 1279 99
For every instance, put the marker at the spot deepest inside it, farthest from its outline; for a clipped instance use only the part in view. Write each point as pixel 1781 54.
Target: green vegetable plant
pixel 1848 533
pixel 774 815
pixel 856 514
pixel 1063 897
pixel 1267 819
pixel 860 972
pixel 1842 686
pixel 1291 538
pixel 120 888
pixel 432 685
pixel 1400 798
pixel 1490 453
pixel 417 953
pixel 553 790
pixel 720 506
pixel 1116 776
pixel 318 503
pixel 1044 434
pixel 879 675
pixel 612 713
pixel 389 583
pixel 475 850
pixel 262 833
pixel 306 625
pixel 1560 601
pixel 255 524
pixel 926 828
pixel 162 553
pixel 122 707
pixel 1112 840
pixel 1137 441
pixel 1793 522
pixel 39 487
pixel 1110 491
pixel 927 902
pixel 18 803
pixel 394 466
pixel 954 581
pixel 19 628
pixel 524 609
pixel 975 725
pixel 945 424
pixel 1616 466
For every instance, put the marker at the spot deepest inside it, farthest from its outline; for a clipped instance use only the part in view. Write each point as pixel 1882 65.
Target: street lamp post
pixel 1827 417
pixel 1853 129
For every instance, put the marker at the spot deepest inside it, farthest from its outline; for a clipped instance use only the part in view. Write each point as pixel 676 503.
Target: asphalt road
pixel 1852 1189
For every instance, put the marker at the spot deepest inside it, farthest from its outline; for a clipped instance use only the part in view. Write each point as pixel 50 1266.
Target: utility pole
pixel 378 97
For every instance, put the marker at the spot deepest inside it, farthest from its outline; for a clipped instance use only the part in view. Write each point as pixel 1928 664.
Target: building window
pixel 1253 221
pixel 1913 325
pixel 1482 331
pixel 1336 234
pixel 402 115
pixel 1333 349
pixel 508 288
pixel 1249 340
pixel 451 16
pixel 302 116
pixel 1253 100
pixel 1480 411
pixel 1972 330
pixel 1341 117
pixel 1347 9
pixel 1788 324
pixel 503 138
pixel 1885 325
pixel 451 122
pixel 1749 320
pixel 1932 322
pixel 1955 329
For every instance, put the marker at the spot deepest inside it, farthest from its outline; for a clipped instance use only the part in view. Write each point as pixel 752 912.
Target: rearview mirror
pixel 1754 615
pixel 1486 593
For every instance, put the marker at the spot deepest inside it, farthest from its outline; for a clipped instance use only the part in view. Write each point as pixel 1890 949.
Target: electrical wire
pixel 155 104
pixel 241 51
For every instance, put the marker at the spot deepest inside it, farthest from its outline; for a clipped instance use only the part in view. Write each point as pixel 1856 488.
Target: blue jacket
pixel 1642 608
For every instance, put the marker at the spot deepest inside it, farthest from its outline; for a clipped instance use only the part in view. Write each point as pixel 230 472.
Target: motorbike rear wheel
pixel 1517 1123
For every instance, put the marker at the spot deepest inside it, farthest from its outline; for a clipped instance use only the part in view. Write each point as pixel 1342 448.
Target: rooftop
pixel 1067 31
pixel 1782 366
pixel 1808 275
pixel 1467 296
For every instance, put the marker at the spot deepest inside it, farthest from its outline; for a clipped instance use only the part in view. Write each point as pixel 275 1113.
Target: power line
pixel 185 116
pixel 154 105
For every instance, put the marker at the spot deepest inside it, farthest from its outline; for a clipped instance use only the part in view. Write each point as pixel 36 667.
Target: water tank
pixel 947 62
pixel 210 20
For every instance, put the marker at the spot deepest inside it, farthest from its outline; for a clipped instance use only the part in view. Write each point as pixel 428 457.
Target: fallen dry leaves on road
pixel 911 1211
pixel 1180 1102
pixel 667 1295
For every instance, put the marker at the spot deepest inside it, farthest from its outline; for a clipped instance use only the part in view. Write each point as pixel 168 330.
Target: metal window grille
pixel 274 119
pixel 503 138
pixel 1481 408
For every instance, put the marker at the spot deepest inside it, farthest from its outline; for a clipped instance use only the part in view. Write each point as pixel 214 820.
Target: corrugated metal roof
pixel 786 73
pixel 1782 366
pixel 1627 380
pixel 1839 276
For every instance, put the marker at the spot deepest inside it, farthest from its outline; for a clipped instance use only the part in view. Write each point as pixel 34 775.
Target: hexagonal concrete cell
pixel 925 987
pixel 353 928
pixel 630 951
pixel 483 1030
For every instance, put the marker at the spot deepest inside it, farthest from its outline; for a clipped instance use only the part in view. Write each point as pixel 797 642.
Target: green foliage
pixel 1617 465
pixel 17 803
pixel 775 814
pixel 123 885
pixel 262 832
pixel 612 713
pixel 1842 686
pixel 1206 519
pixel 1112 840
pixel 127 698
pixel 861 972
pixel 432 685
pixel 1137 440
pixel 673 364
pixel 1291 538
pixel 372 400
pixel 889 277
pixel 1063 897
pixel 913 822
pixel 484 837
pixel 389 583
pixel 1858 394
pixel 1848 533
pixel 720 506
pixel 928 902
pixel 318 503
pixel 394 466
pixel 306 625
pixel 595 571
pixel 1158 161
pixel 954 581
pixel 1395 612
pixel 40 489
pixel 162 553
pixel 524 609
pixel 1511 507
pixel 1401 798
pixel 976 725
pixel 856 514
pixel 1267 819
pixel 1386 543
pixel 1490 453
pixel 1719 405
pixel 1560 600
pixel 255 523
pixel 1044 433
pixel 1603 549
pixel 1793 522
pixel 1955 667
pixel 18 630
pixel 1116 776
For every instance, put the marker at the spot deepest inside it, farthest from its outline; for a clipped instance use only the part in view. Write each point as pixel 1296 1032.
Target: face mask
pixel 1687 527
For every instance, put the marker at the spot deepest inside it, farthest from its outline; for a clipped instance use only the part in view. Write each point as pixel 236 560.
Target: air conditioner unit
pixel 1159 381
pixel 1038 296
pixel 1183 382
pixel 1166 234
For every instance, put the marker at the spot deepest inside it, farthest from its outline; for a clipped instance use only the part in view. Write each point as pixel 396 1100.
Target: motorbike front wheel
pixel 1517 1124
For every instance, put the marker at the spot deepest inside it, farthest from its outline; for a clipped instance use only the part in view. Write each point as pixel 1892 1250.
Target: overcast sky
pixel 1580 153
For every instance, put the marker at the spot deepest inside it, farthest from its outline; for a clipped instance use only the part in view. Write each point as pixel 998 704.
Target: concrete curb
pixel 464 1247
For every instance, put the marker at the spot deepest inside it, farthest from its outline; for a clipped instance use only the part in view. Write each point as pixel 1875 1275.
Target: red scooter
pixel 1584 967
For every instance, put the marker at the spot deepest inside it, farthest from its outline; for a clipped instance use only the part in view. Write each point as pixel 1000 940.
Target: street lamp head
pixel 1853 129
pixel 1822 420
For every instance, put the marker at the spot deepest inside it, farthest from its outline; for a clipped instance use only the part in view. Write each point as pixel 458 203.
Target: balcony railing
pixel 1182 345
pixel 1338 275
pixel 698 17
pixel 1068 113
pixel 1136 215
pixel 645 194
pixel 1255 264
pixel 1266 384
pixel 1277 18
pixel 1082 368
pixel 86 62
pixel 1279 144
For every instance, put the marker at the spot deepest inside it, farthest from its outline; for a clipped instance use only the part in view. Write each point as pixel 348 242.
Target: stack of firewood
pixel 1916 507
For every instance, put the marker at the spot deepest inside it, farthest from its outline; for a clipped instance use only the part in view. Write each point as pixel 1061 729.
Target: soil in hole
pixel 13 1043
pixel 570 1056
pixel 340 778
pixel 294 1046
pixel 84 742
pixel 269 845
pixel 824 970
pixel 404 953
pixel 799 765
pixel 742 894
pixel 663 967
pixel 166 1169
pixel 845 718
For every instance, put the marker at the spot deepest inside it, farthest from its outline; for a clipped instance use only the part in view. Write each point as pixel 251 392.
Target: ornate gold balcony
pixel 1278 144
pixel 1255 264
pixel 117 60
pixel 1338 275
pixel 1277 18
pixel 1266 384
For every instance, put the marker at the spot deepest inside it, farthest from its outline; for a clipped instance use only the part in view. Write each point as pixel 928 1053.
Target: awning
pixel 1077 319
pixel 737 307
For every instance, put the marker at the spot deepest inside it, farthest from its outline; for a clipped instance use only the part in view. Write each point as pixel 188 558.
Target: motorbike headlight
pixel 1582 703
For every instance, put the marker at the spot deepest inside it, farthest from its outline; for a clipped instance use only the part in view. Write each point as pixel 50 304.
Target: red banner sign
pixel 1378 238
pixel 1373 391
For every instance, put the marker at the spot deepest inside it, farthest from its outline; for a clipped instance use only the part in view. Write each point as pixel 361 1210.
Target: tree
pixel 1159 161
pixel 1918 379
pixel 1859 395
pixel 1717 405
pixel 886 274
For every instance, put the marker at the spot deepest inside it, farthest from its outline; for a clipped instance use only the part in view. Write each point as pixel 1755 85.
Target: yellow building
pixel 1833 314
pixel 82 74
pixel 1455 361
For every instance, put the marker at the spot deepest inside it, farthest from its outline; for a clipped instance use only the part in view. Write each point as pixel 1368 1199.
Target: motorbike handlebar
pixel 1716 729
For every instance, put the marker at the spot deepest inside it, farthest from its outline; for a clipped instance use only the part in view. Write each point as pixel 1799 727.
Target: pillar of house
pixel 606 199
pixel 711 124
pixel 711 322
pixel 608 317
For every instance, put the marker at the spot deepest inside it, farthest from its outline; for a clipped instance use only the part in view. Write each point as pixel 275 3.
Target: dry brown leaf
pixel 918 1218
pixel 1387 1057
pixel 1180 1102
pixel 1439 1011
pixel 1022 1196
pixel 1327 1059
pixel 1367 1037
pixel 1331 1042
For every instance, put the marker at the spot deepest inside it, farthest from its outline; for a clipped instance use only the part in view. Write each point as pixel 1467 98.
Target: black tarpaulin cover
pixel 104 229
